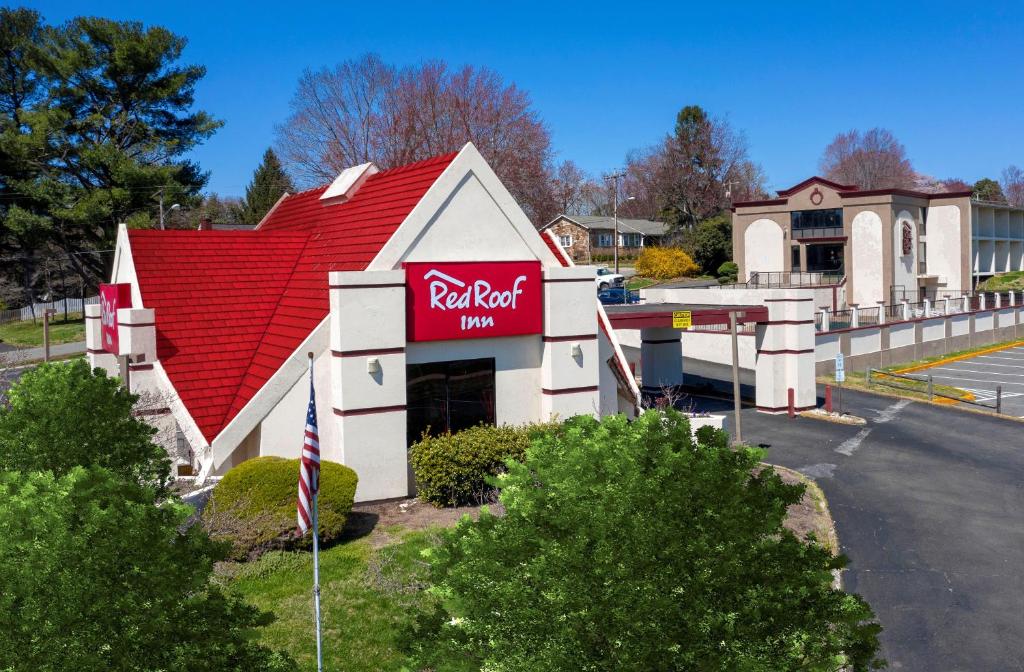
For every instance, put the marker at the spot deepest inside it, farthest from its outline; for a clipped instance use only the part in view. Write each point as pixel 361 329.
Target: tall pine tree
pixel 268 183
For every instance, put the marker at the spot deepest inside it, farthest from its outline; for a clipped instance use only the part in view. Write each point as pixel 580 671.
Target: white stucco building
pixel 424 294
pixel 887 244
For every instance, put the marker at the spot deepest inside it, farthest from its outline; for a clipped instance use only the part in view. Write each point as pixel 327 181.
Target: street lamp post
pixel 615 214
pixel 170 209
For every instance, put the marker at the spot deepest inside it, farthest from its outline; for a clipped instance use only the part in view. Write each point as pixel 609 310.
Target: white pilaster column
pixel 368 389
pixel 999 300
pixel 906 310
pixel 95 354
pixel 881 312
pixel 1013 298
pixel 949 305
pixel 569 369
pixel 981 301
pixel 785 352
pixel 854 316
pixel 824 319
pixel 927 307
pixel 967 304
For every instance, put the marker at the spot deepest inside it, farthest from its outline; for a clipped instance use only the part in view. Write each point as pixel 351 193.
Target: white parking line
pixel 1009 359
pixel 971 362
pixel 948 379
pixel 987 373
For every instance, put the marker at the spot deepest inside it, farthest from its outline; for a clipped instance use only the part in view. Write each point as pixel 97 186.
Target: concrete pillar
pixel 661 359
pixel 967 304
pixel 785 353
pixel 569 369
pixel 824 319
pixel 1013 298
pixel 906 310
pixel 881 312
pixel 368 387
pixel 927 307
pixel 854 316
pixel 949 305
pixel 981 301
pixel 95 354
pixel 998 300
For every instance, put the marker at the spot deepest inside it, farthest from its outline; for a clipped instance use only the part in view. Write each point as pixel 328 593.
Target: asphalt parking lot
pixel 982 373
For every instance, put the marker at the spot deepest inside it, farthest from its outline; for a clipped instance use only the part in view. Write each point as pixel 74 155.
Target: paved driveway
pixel 929 506
pixel 982 373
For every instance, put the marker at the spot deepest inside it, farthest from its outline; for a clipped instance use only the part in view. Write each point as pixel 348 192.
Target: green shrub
pixel 453 469
pixel 728 272
pixel 631 546
pixel 665 263
pixel 254 505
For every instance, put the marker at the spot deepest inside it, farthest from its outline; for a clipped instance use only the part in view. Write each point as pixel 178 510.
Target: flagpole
pixel 316 557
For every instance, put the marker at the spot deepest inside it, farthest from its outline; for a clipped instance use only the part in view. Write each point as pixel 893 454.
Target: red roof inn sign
pixel 113 297
pixel 473 300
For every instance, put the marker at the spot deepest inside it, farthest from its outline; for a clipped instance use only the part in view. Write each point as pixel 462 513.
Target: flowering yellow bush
pixel 664 263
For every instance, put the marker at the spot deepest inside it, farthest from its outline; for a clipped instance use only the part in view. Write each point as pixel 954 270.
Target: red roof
pixel 231 306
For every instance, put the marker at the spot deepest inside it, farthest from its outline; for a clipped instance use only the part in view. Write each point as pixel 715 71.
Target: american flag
pixel 309 466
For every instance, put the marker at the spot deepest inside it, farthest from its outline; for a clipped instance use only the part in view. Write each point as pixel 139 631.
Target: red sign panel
pixel 113 297
pixel 450 300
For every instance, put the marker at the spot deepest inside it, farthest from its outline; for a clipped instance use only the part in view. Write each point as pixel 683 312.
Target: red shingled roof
pixel 231 306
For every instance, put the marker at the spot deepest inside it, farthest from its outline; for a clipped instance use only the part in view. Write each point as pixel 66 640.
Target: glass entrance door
pixel 449 396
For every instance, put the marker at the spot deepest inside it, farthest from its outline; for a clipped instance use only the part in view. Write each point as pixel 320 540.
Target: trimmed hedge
pixel 452 469
pixel 254 505
pixel 665 263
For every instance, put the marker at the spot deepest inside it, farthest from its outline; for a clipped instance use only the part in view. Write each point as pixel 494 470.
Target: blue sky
pixel 609 77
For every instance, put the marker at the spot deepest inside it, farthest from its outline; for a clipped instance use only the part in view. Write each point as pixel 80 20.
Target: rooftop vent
pixel 347 183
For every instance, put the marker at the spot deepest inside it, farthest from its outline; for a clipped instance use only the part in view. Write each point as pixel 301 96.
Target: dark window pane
pixel 449 396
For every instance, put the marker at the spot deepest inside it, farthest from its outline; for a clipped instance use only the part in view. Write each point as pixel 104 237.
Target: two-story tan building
pixel 888 244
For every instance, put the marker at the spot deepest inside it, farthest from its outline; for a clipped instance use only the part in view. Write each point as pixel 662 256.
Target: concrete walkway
pixel 22 356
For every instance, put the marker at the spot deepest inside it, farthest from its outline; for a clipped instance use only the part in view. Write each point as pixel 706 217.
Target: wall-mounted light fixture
pixel 577 351
pixel 373 366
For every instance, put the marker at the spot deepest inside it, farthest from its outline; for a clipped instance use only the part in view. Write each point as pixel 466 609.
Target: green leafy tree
pixel 62 415
pixel 269 182
pixel 712 243
pixel 987 189
pixel 96 577
pixel 630 546
pixel 96 119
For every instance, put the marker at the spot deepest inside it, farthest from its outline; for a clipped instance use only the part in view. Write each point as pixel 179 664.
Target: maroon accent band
pixel 779 409
pixel 568 279
pixel 570 390
pixel 366 353
pixel 662 341
pixel 785 352
pixel 786 300
pixel 140 367
pixel 368 411
pixel 788 322
pixel 577 337
pixel 140 324
pixel 823 239
pixel 97 352
pixel 152 411
pixel 390 284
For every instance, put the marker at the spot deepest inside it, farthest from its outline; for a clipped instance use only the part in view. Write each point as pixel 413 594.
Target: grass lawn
pixel 1003 282
pixel 368 597
pixel 29 335
pixel 636 282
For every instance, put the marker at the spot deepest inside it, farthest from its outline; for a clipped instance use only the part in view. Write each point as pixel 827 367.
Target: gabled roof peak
pixel 817 180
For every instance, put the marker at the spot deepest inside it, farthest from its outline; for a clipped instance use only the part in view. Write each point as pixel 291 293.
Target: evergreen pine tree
pixel 268 183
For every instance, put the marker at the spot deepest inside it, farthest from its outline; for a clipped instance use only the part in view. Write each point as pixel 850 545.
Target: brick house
pixel 585 237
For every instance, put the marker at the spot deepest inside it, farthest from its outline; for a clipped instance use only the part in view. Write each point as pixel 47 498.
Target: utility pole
pixel 738 438
pixel 615 177
pixel 161 192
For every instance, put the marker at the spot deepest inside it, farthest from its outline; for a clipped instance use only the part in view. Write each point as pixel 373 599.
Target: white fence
pixel 70 305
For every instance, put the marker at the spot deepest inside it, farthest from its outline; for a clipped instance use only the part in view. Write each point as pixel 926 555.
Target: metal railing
pixel 829 320
pixel 927 382
pixel 788 279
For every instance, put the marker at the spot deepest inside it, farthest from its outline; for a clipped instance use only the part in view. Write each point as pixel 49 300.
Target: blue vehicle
pixel 614 296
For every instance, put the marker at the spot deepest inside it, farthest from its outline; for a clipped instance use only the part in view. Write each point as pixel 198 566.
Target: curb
pixel 957 358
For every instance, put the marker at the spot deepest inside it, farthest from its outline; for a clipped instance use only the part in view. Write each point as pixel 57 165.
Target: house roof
pixel 600 223
pixel 231 306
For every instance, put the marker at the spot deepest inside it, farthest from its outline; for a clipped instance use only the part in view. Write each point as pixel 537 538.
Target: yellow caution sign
pixel 682 319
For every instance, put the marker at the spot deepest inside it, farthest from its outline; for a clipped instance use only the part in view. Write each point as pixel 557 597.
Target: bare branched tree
pixel 1013 186
pixel 367 110
pixel 871 160
pixel 694 173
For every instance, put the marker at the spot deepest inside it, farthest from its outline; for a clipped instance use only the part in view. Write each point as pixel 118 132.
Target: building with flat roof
pixel 886 244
